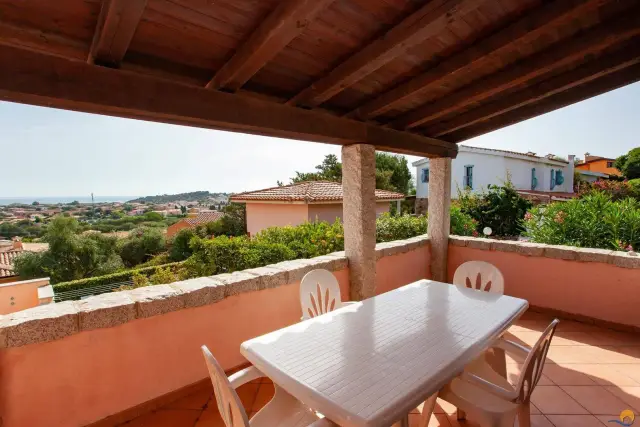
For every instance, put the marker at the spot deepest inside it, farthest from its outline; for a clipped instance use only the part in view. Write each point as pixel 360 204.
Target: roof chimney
pixel 17 243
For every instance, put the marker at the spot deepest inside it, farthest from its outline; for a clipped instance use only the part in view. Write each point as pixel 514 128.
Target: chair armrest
pixel 348 303
pixel 511 347
pixel 244 376
pixel 489 386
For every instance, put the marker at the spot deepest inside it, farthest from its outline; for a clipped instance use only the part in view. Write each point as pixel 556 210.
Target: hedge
pixel 122 276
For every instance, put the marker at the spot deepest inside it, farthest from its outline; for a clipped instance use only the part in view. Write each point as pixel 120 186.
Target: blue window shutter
pixel 468 177
pixel 534 180
pixel 553 179
pixel 559 178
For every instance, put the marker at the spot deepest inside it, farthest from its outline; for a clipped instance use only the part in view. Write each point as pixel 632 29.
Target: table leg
pixel 427 410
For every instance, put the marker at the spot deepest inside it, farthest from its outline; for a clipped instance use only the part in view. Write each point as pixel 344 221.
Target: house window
pixel 425 175
pixel 534 180
pixel 467 181
pixel 559 178
pixel 553 179
pixel 609 164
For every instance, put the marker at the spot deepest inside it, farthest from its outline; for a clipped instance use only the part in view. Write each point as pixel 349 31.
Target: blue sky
pixel 47 152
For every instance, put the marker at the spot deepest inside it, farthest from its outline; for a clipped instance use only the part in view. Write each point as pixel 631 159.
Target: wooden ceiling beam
pixel 117 23
pixel 419 26
pixel 39 79
pixel 588 90
pixel 561 54
pixel 282 25
pixel 526 29
pixel 601 66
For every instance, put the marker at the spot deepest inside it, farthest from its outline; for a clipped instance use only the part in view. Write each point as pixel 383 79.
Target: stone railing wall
pixel 593 285
pixel 79 362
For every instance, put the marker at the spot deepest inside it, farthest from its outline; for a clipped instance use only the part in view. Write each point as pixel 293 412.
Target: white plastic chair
pixel 282 411
pixel 489 398
pixel 319 294
pixel 479 275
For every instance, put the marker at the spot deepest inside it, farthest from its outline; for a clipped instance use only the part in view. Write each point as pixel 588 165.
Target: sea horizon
pixel 51 200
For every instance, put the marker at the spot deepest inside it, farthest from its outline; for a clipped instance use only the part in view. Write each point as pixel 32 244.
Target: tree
pixel 629 164
pixel 153 216
pixel 180 247
pixel 141 245
pixel 183 210
pixel 392 172
pixel 70 255
pixel 35 203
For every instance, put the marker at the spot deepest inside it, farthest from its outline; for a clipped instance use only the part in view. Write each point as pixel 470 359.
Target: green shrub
pixel 141 245
pixel 228 254
pixel 390 228
pixel 594 221
pixel 123 276
pixel 461 223
pixel 500 207
pixel 306 240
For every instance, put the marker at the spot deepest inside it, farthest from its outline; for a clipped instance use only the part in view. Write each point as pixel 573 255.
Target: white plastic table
pixel 371 363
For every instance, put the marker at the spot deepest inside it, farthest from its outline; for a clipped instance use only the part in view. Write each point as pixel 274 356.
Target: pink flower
pixel 528 216
pixel 559 218
pixel 475 233
pixel 629 248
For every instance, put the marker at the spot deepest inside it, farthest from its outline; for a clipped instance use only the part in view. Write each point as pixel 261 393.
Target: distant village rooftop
pixel 307 192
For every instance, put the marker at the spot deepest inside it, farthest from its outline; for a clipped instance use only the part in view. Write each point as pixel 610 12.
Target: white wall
pixel 495 169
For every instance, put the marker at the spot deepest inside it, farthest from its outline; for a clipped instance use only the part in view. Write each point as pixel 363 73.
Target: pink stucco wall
pixel 24 294
pixel 89 376
pixel 330 211
pixel 264 215
pixel 592 289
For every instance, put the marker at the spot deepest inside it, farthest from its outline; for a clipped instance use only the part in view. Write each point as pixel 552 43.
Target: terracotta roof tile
pixel 6 262
pixel 308 192
pixel 204 218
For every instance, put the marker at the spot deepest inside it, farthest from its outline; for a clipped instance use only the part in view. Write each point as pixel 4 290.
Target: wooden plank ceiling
pixel 412 76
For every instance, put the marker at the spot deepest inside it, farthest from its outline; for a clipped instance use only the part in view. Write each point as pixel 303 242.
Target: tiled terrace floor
pixel 591 375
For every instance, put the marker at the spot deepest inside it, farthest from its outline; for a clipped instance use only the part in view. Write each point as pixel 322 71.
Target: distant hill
pixel 193 196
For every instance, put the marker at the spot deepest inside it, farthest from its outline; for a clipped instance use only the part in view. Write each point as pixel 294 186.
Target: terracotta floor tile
pixel 465 423
pixel 572 354
pixel 436 420
pixel 539 421
pixel 247 394
pixel 166 418
pixel 442 407
pixel 530 325
pixel 572 326
pixel 534 409
pixel 609 337
pixel 554 400
pixel 613 355
pixel 210 417
pixel 264 395
pixel 196 400
pixel 629 395
pixel 603 374
pixel 575 421
pixel 596 399
pixel 566 375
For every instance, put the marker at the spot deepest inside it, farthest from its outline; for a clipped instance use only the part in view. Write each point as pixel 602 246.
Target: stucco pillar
pixel 439 218
pixel 359 217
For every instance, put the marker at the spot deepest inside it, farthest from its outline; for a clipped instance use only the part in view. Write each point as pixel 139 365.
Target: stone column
pixel 439 218
pixel 359 217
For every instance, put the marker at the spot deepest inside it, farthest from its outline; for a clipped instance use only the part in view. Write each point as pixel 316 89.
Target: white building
pixel 476 168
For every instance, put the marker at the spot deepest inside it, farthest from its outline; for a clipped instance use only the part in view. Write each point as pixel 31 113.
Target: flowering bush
pixel 618 190
pixel 306 240
pixel 594 221
pixel 390 228
pixel 462 224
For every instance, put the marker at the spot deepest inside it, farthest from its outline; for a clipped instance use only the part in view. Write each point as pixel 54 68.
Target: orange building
pixel 598 164
pixel 193 222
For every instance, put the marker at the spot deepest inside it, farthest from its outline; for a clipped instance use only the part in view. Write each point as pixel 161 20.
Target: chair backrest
pixel 319 293
pixel 229 405
pixel 479 275
pixel 533 365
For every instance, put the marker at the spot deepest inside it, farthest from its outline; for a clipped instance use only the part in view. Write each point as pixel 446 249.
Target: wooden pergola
pixel 408 76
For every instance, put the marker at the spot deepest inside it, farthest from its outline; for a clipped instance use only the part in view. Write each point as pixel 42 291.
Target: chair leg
pixel 461 415
pixel 427 410
pixel 524 415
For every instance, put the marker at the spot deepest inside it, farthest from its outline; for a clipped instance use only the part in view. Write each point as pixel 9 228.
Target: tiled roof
pixel 532 155
pixel 6 262
pixel 308 192
pixel 204 218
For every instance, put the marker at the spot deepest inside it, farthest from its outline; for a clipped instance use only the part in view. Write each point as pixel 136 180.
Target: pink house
pixel 298 203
